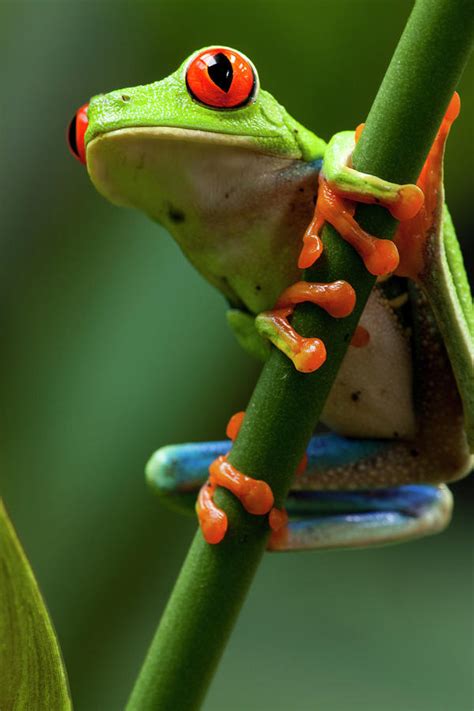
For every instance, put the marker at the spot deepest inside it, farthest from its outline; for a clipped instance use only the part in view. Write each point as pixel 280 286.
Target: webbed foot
pixel 255 495
pixel 340 188
pixel 307 354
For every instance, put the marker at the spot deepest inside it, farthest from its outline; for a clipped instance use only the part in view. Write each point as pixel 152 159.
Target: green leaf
pixel 32 673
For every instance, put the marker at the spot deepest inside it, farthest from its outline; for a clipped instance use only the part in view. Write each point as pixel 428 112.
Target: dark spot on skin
pixel 226 196
pixel 355 396
pixel 295 130
pixel 258 287
pixel 396 435
pixel 125 97
pixel 175 215
pixel 414 452
pixel 301 190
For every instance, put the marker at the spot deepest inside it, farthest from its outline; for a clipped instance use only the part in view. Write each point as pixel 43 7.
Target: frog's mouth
pixel 179 133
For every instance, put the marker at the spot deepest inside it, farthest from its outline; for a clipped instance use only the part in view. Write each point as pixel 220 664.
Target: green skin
pixel 236 190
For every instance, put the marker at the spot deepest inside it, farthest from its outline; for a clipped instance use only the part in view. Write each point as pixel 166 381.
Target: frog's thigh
pixel 177 470
pixel 396 515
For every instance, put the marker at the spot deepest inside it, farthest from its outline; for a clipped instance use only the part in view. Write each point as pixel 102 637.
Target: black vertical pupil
pixel 221 71
pixel 72 136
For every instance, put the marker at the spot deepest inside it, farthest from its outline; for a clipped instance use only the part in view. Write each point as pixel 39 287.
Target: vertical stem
pixel 286 405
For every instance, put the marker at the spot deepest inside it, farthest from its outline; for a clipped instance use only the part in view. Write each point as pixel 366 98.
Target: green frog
pixel 245 189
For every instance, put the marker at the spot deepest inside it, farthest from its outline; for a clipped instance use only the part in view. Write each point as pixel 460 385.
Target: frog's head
pixel 213 158
pixel 216 90
pixel 214 98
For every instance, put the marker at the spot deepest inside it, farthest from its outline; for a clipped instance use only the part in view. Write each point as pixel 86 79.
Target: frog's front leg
pixel 340 187
pixel 380 256
pixel 336 298
pixel 348 493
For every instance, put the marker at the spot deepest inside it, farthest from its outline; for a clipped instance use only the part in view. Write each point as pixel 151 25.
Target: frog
pixel 245 190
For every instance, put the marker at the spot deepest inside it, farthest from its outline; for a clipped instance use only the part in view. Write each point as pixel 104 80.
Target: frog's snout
pixel 76 132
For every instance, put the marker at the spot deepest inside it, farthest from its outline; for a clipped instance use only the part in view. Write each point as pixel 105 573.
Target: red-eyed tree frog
pixel 245 189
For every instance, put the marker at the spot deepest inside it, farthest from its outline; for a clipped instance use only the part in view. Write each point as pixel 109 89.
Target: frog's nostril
pixel 125 97
pixel 75 134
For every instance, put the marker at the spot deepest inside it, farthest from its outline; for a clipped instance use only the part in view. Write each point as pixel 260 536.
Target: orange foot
pixel 412 205
pixel 255 495
pixel 380 256
pixel 308 354
pixel 337 207
pixel 412 235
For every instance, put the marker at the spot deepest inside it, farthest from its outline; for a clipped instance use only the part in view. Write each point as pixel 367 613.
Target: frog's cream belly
pixel 373 392
pixel 237 213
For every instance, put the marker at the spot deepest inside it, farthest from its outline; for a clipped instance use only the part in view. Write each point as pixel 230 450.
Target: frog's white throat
pixel 126 164
pixel 219 195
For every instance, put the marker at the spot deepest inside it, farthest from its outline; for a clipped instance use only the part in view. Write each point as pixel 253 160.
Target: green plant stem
pixel 286 405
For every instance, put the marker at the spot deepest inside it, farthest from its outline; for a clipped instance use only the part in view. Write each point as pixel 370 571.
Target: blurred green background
pixel 101 318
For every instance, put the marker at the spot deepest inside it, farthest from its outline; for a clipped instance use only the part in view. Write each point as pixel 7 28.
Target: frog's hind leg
pixel 430 256
pixel 336 464
pixel 176 472
pixel 359 519
pixel 318 519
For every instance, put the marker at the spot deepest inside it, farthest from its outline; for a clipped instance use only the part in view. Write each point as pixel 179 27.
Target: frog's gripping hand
pixel 318 519
pixel 338 183
pixel 308 354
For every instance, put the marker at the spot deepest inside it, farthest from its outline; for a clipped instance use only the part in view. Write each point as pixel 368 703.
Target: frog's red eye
pixel 75 134
pixel 221 78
